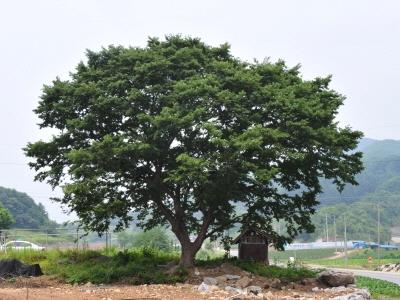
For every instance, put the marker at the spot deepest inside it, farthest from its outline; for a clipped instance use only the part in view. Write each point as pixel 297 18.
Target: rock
pixel 210 281
pixel 203 287
pixel 389 268
pixel 272 283
pixel 233 289
pixel 357 295
pixel 315 289
pixel 337 289
pixel 221 279
pixel 254 289
pixel 308 281
pixel 335 278
pixel 232 277
pixel 291 286
pixel 237 297
pixel 243 282
pixel 295 295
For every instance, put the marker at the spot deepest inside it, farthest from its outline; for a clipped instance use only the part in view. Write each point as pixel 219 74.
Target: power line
pixel 370 160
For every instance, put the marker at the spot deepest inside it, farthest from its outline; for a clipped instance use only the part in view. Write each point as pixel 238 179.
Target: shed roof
pixel 257 231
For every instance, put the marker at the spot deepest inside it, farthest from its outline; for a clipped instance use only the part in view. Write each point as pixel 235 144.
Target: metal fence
pixel 58 238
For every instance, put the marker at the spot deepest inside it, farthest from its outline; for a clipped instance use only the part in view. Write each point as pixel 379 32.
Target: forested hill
pixel 26 213
pixel 382 172
pixel 379 184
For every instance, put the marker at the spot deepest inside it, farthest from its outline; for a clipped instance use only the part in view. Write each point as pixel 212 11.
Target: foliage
pixel 156 238
pixel 385 254
pixel 25 212
pixel 209 254
pixel 6 218
pixel 136 266
pixel 125 238
pixel 353 263
pixel 226 242
pixel 303 255
pixel 379 183
pixel 180 131
pixel 290 273
pixel 378 287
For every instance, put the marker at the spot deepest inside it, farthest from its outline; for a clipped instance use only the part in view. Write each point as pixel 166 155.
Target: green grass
pixel 138 266
pixel 289 273
pixel 135 266
pixel 384 254
pixel 379 288
pixel 359 259
pixel 303 255
pixel 357 263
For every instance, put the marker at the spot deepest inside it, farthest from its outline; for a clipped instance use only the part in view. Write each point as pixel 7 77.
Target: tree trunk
pixel 187 255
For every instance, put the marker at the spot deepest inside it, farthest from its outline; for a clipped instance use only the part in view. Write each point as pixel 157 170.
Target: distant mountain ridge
pixel 26 213
pixel 382 163
pixel 379 184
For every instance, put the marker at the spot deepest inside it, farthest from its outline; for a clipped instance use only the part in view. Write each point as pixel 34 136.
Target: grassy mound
pixel 137 266
pixel 134 266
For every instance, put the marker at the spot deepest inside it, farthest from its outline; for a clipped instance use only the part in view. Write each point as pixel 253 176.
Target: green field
pixel 357 263
pixel 323 257
pixel 359 259
pixel 302 255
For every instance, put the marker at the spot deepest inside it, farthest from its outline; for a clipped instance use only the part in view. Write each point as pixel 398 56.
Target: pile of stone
pixel 340 286
pixel 389 268
pixel 361 294
pixel 239 285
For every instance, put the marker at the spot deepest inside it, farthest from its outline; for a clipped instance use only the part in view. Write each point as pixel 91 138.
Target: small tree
pixel 155 238
pixel 6 219
pixel 181 132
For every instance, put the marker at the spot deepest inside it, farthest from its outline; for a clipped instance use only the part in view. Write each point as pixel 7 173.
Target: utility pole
pixel 326 228
pixel 345 241
pixel 379 234
pixel 334 231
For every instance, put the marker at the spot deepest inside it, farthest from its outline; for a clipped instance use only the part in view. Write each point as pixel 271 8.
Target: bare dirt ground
pixel 46 288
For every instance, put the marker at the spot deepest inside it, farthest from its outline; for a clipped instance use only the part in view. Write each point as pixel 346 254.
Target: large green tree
pixel 180 131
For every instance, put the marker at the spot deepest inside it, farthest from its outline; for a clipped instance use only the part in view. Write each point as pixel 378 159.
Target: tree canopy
pixel 6 218
pixel 180 131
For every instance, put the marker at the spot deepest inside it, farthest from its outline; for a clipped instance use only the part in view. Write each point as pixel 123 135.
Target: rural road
pixel 392 277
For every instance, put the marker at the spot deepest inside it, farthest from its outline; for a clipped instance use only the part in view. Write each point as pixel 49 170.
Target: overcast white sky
pixel 355 41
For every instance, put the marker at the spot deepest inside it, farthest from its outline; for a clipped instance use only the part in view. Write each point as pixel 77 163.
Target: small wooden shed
pixel 253 245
